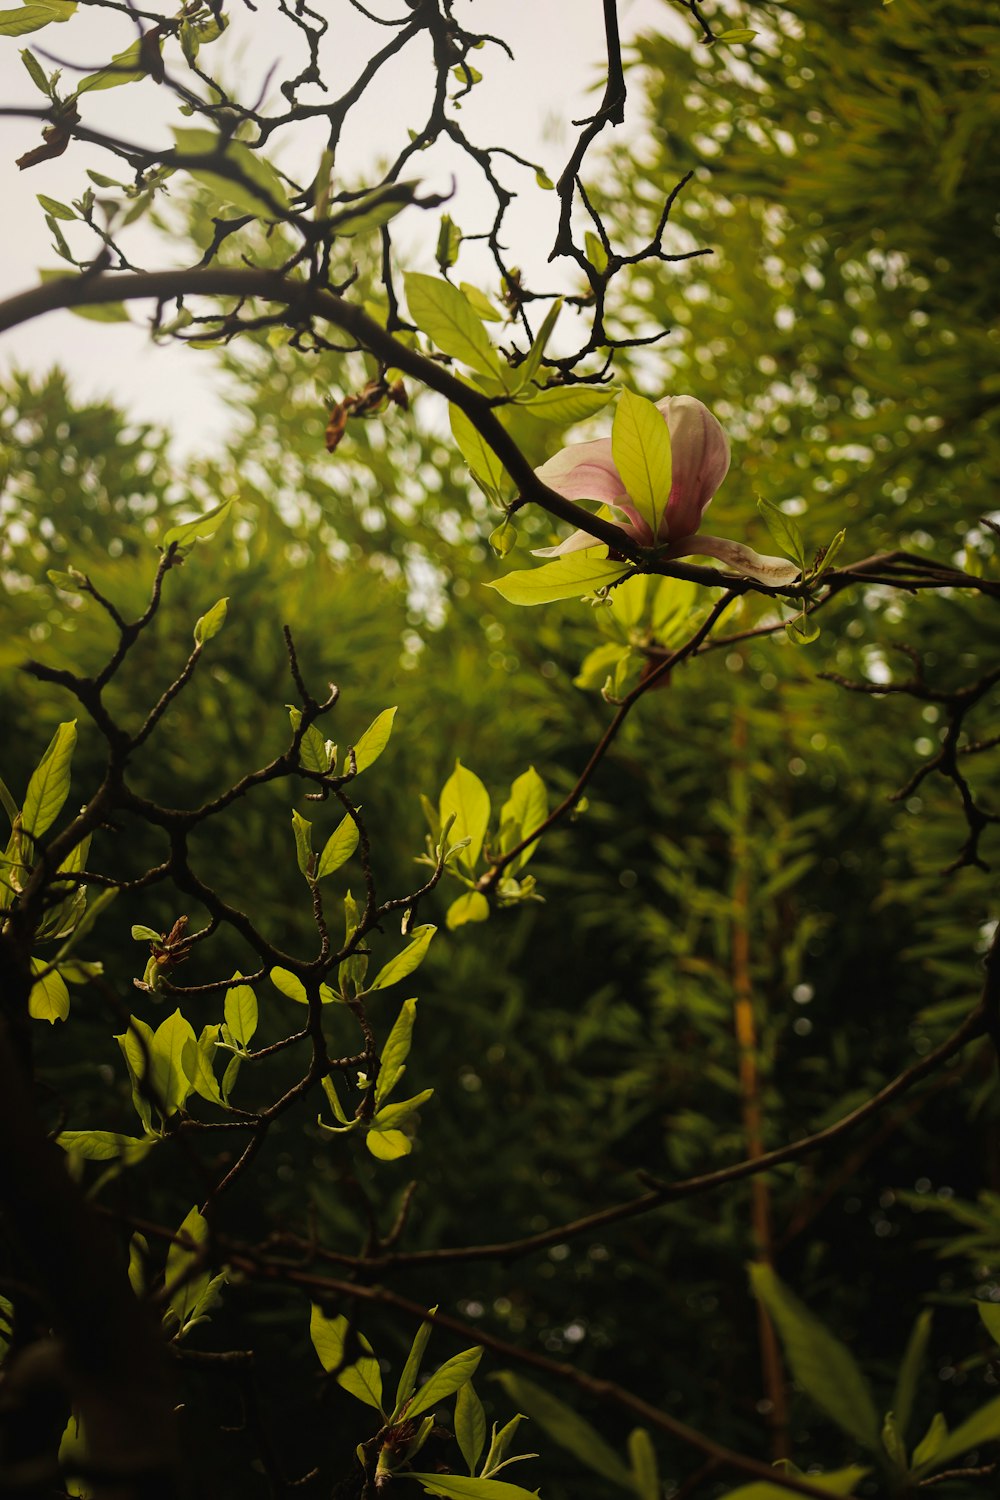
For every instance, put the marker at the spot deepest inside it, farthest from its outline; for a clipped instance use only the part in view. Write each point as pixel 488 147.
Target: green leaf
pixel 526 808
pixel 982 1427
pixel 596 253
pixel 388 1145
pixel 124 67
pixel 528 369
pixel 397 1114
pixel 289 985
pixel 470 1425
pixel 33 16
pixel 801 631
pixel 373 210
pixel 302 829
pixel 544 181
pixel 566 404
pixel 104 1145
pixel 411 957
pixel 503 538
pixel 640 446
pixel 480 302
pixel 189 532
pixel 174 1063
pixel 830 555
pixel 49 784
pixel 566 1428
pixel 211 623
pixel 926 1451
pixel 52 205
pixel 893 1443
pixel 909 1371
pixel 49 998
pixel 569 577
pixel 408 1376
pixel 445 1380
pixel 738 34
pixel 185 1286
pixel 396 1051
pixel 465 797
pixel 314 752
pixel 989 1312
pixel 137 1049
pixel 143 934
pixel 601 664
pixel 103 312
pixel 204 1079
pixel 448 318
pixel 374 740
pixel 339 847
pixel 645 1472
pixel 821 1364
pixel 241 1011
pixel 784 530
pixel 448 243
pixel 460 1487
pixel 496 1457
pixel 838 1482
pixel 258 188
pixel 361 1379
pixel 470 907
pixel 477 452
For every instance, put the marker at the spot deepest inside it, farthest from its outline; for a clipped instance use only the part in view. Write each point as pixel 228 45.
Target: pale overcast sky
pixel 526 105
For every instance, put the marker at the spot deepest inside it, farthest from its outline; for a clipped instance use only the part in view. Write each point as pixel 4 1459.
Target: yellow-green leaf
pixel 49 784
pixel 640 446
pixel 568 577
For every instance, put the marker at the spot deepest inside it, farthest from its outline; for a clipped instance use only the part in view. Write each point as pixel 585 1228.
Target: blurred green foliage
pixel 844 331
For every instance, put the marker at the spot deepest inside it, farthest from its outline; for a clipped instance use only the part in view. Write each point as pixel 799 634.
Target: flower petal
pixel 584 471
pixel 776 571
pixel 578 541
pixel 700 462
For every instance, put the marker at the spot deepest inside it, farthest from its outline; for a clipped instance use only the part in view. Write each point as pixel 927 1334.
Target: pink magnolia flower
pixel 700 462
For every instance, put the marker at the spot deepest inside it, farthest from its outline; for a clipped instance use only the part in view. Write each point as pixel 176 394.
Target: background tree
pixel 747 835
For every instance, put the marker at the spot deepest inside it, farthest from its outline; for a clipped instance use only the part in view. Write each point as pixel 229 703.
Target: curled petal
pixel 584 471
pixel 579 541
pixel 776 571
pixel 700 462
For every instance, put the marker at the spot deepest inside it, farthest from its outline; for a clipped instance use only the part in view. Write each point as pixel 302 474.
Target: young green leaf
pixel 526 809
pixel 49 784
pixel 838 1482
pixel 821 1364
pixel 566 1428
pixel 339 847
pixel 448 318
pixel 460 1487
pixel 52 205
pixel 470 907
pixel 470 1425
pixel 566 404
pixel 374 740
pixel 445 1381
pixel 174 1063
pixel 104 1145
pixel 479 300
pixel 569 577
pixel 254 186
pixel 411 957
pixel 784 530
pixel 909 1371
pixel 32 17
pixel 211 623
pixel 241 1011
pixel 396 1051
pixel 49 997
pixel 189 532
pixel 124 67
pixel 302 829
pixel 982 1427
pixel 528 369
pixel 645 1472
pixel 397 1114
pixel 465 798
pixel 411 1369
pixel 476 451
pixel 362 1379
pixel 388 1145
pixel 640 446
pixel 926 1451
pixel 186 1279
